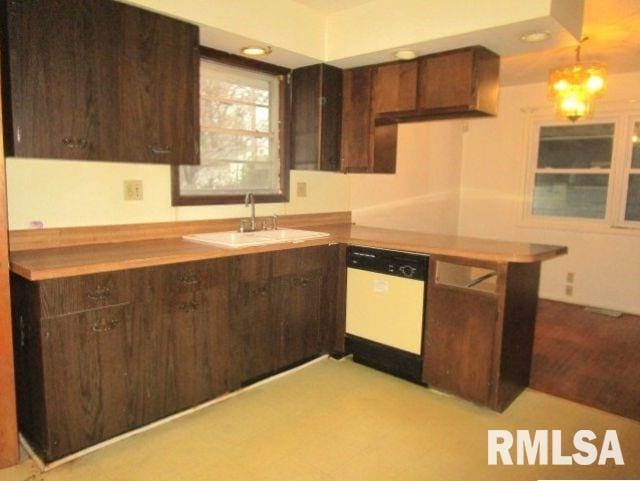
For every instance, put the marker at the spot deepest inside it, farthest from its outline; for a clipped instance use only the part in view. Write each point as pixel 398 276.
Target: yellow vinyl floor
pixel 336 420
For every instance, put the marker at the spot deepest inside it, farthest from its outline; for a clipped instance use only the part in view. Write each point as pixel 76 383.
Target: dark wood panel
pixel 57 64
pixel 255 331
pixel 73 294
pixel 9 450
pixel 446 80
pixel 306 85
pixel 356 153
pixel 90 377
pixel 159 60
pixel 385 148
pixel 520 304
pixel 459 340
pixel 331 122
pixel 316 97
pixel 299 303
pixel 587 357
pixel 394 87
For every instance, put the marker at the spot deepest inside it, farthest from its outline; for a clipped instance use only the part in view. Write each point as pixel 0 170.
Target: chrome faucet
pixel 248 199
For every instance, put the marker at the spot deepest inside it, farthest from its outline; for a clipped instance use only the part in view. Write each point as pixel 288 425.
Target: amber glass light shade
pixel 574 88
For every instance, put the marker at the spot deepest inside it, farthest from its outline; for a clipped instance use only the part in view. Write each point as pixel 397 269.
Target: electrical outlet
pixel 570 277
pixel 301 189
pixel 132 190
pixel 568 290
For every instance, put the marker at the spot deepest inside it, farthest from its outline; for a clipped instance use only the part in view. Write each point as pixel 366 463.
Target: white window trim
pixel 613 222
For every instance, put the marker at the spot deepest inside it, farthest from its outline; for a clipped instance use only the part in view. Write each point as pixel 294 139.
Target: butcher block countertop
pixel 50 263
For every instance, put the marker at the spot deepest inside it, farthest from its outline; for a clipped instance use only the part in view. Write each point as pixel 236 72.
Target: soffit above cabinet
pixel 368 32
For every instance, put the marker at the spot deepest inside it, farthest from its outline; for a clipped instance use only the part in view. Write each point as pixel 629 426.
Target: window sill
pixel 578 225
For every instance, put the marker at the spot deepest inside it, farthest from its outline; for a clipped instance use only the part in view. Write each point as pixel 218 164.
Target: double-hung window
pixel 586 173
pixel 242 137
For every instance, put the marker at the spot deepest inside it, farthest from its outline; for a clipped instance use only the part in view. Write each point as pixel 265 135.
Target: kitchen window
pixel 585 174
pixel 242 134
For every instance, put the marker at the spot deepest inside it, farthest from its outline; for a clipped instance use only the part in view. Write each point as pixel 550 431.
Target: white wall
pixel 79 193
pixel 423 193
pixel 606 266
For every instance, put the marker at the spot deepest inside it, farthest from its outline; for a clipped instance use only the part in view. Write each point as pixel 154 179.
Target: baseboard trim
pixel 71 457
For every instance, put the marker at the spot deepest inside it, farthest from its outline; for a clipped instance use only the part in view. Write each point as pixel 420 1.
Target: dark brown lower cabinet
pixel 120 350
pixel 284 309
pixel 479 328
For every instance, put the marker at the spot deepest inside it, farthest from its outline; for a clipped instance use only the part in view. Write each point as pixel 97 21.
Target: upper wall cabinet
pixel 316 94
pixel 98 80
pixel 453 84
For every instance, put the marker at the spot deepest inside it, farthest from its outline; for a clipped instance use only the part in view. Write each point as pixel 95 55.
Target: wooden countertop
pixel 52 263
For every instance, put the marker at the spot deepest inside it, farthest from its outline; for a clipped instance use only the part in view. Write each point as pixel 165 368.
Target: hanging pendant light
pixel 574 88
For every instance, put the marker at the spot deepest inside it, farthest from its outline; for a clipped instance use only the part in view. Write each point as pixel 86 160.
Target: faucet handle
pixel 274 221
pixel 242 226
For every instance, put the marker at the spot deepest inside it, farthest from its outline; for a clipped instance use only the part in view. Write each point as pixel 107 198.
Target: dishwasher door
pixel 386 309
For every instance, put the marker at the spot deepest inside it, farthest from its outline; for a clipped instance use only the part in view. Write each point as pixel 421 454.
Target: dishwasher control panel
pixel 394 263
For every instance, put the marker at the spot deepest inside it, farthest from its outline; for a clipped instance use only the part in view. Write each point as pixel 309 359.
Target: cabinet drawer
pixel 299 261
pixel 73 294
pixel 153 283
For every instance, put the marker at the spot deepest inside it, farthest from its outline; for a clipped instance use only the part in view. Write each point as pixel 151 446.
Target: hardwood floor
pixel 587 357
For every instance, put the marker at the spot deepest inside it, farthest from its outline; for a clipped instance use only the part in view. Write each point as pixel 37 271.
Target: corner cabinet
pixel 316 99
pixel 99 355
pixel 98 80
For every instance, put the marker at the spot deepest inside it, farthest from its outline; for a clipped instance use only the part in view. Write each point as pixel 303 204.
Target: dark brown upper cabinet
pixel 316 94
pixel 453 84
pixel 395 87
pixel 98 80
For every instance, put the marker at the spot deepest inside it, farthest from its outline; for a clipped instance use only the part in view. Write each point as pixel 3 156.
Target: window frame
pixel 613 221
pixel 626 173
pixel 284 115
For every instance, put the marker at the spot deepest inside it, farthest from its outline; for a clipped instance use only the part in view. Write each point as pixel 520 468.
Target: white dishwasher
pixel 386 300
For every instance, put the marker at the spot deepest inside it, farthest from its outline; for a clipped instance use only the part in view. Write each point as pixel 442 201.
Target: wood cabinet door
pixel 158 84
pixel 459 340
pixel 394 87
pixel 187 346
pixel 63 97
pixel 357 126
pixel 298 304
pixel 446 81
pixel 254 330
pixel 316 94
pixel 91 374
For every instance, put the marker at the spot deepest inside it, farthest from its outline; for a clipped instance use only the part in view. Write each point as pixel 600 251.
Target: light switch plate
pixel 132 190
pixel 301 189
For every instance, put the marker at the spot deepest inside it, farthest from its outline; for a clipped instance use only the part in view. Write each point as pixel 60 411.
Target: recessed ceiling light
pixel 405 54
pixel 533 37
pixel 256 51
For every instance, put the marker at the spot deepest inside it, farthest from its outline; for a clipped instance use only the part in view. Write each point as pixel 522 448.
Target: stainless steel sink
pixel 235 240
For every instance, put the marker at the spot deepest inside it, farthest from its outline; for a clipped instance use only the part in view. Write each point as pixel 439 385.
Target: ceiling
pixel 329 6
pixel 613 28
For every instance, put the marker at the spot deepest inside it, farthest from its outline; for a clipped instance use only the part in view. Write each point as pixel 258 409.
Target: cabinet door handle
pixel 189 306
pixel 262 290
pixel 159 149
pixel 104 325
pixel 100 293
pixel 188 279
pixel 75 143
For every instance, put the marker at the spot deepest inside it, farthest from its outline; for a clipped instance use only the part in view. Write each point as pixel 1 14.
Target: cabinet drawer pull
pixel 159 149
pixel 101 293
pixel 75 143
pixel 188 279
pixel 189 306
pixel 104 325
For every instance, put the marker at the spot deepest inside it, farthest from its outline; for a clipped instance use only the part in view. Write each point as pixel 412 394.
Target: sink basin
pixel 235 240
